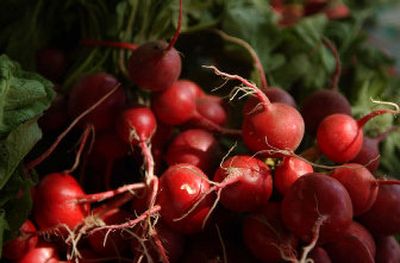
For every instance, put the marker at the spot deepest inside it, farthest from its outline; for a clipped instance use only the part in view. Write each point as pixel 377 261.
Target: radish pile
pixel 163 173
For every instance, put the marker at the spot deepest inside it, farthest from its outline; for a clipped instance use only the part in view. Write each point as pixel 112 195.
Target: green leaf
pixel 23 95
pixel 311 29
pixel 3 227
pixel 15 147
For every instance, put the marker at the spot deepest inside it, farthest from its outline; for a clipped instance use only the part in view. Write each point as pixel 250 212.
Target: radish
pixel 51 63
pixel 245 183
pixel 387 250
pixel 317 201
pixel 181 185
pixel 319 255
pixel 291 13
pixel 56 117
pixel 270 126
pixel 314 6
pixel 355 244
pixel 340 137
pixel 288 171
pixel 25 241
pixel 42 253
pixel 266 237
pixel 211 109
pixel 323 103
pixel 383 218
pixel 337 10
pixel 54 205
pixel 195 146
pixel 87 91
pixel 155 66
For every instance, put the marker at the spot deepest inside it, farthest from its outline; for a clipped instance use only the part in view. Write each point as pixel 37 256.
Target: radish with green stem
pixel 340 137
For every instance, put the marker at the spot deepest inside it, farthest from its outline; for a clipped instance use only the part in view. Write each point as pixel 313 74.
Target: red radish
pixel 383 218
pixel 387 250
pixel 156 65
pixel 317 198
pixel 288 171
pixel 87 91
pixel 250 183
pixel 55 203
pixel 56 117
pixel 354 245
pixel 136 125
pixel 210 107
pixel 195 146
pixel 360 184
pixel 319 255
pixel 323 103
pixel 369 155
pixel 271 126
pixel 25 241
pixel 43 253
pixel 177 104
pixel 266 237
pixel 115 243
pixel 337 11
pixel 314 6
pixel 181 185
pixel 291 14
pixel 51 63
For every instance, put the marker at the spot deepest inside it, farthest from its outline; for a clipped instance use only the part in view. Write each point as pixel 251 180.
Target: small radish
pixel 42 253
pixel 56 117
pixel 291 13
pixel 319 255
pixel 25 241
pixel 137 124
pixel 383 218
pixel 246 183
pixel 155 66
pixel 87 91
pixel 317 202
pixel 54 204
pixel 314 6
pixel 194 146
pixel 181 185
pixel 340 137
pixel 51 63
pixel 387 250
pixel 288 171
pixel 210 108
pixel 355 244
pixel 337 11
pixel 266 237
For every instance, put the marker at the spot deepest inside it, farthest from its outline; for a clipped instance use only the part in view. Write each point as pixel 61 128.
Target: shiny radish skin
pixel 354 245
pixel 42 253
pixel 319 255
pixel 211 108
pixel 339 137
pixel 311 198
pixel 288 171
pixel 25 241
pixel 387 250
pixel 87 91
pixel 369 154
pixel 55 203
pixel 252 188
pixel 153 67
pixel 361 185
pixel 181 186
pixel 277 126
pixel 137 124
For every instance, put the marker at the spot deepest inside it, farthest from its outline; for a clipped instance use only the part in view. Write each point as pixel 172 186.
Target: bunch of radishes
pixel 150 181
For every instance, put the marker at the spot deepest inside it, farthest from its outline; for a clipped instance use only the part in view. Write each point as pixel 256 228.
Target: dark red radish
pixel 51 63
pixel 210 108
pixel 383 218
pixel 369 155
pixel 172 243
pixel 337 10
pixel 177 104
pixel 340 136
pixel 277 5
pixel 319 255
pixel 314 6
pixel 317 200
pixel 106 150
pixel 288 171
pixel 42 253
pixel 195 146
pixel 387 250
pixel 156 65
pixel 116 242
pixel 249 183
pixel 266 237
pixel 25 241
pixel 159 142
pixel 55 205
pixel 137 124
pixel 56 117
pixel 271 126
pixel 321 104
pixel 90 89
pixel 359 183
pixel 354 245
pixel 181 185
pixel 291 13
